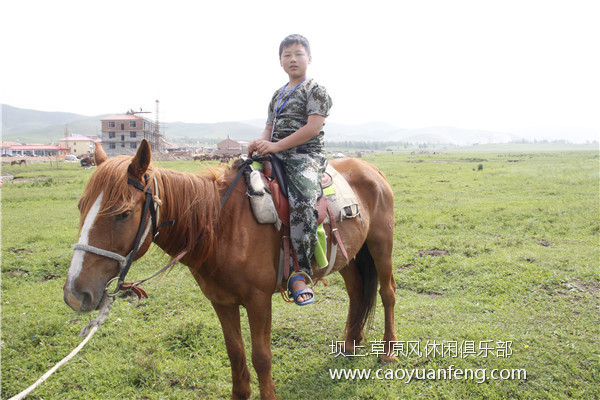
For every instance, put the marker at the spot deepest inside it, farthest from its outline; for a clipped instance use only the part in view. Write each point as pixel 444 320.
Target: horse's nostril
pixel 86 302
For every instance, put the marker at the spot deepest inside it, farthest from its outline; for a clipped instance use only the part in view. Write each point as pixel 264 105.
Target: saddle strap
pixel 286 254
pixel 334 231
pixel 287 249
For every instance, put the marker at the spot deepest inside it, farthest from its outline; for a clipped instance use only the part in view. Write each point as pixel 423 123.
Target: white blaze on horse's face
pixel 78 255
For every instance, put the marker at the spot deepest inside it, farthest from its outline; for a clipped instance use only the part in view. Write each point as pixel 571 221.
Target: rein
pixel 241 168
pixel 152 205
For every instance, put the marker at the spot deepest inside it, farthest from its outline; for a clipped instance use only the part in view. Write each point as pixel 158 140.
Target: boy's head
pixel 294 39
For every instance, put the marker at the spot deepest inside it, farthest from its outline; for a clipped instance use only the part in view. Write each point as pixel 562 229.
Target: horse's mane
pixel 191 200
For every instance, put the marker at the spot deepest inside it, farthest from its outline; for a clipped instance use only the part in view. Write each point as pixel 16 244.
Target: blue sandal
pixel 294 295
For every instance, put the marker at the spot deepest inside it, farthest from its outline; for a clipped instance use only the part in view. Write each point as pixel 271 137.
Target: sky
pixel 493 65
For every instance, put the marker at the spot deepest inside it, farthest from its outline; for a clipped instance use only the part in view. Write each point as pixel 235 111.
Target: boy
pixel 294 134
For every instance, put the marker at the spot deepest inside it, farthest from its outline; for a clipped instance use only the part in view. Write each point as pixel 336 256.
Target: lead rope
pixel 90 329
pixel 94 324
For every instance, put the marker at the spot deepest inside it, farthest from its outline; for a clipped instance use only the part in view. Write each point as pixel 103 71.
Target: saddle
pixel 268 192
pixel 275 179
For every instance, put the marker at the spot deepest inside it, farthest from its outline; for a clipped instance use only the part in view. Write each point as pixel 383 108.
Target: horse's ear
pixel 141 161
pixel 99 154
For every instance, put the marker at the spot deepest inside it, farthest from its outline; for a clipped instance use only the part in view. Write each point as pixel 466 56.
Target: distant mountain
pixel 198 131
pixel 18 119
pixel 31 126
pixel 569 133
pixel 445 134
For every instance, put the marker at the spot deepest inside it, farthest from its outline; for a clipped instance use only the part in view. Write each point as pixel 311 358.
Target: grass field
pixel 497 264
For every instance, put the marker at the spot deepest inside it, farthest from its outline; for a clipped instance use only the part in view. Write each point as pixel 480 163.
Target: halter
pixel 152 205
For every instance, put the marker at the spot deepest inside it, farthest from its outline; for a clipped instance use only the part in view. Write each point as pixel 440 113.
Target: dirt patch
pixel 473 159
pixel 543 242
pixel 16 272
pixel 587 287
pixel 434 253
pixel 20 251
pixel 49 277
pixel 431 295
pixel 407 266
pixel 18 179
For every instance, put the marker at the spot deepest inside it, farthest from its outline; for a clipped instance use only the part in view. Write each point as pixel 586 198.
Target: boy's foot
pixel 301 294
pixel 299 285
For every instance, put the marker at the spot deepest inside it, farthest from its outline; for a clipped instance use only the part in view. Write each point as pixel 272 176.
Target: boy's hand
pixel 263 147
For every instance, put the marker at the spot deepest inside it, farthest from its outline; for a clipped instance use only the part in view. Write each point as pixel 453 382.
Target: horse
pixel 87 162
pixel 233 258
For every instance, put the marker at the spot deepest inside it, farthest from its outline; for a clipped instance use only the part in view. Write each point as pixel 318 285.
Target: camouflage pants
pixel 304 172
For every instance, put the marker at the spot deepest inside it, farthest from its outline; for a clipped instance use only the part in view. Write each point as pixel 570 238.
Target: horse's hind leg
pixel 230 322
pixel 380 246
pixel 354 326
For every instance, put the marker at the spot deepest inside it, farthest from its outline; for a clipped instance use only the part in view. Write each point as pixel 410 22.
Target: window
pixel 122 144
pixel 131 134
pixel 132 124
pixel 133 145
pixel 112 146
pixel 111 135
pixel 111 124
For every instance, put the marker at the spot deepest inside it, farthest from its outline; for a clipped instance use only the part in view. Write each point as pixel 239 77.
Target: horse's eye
pixel 123 215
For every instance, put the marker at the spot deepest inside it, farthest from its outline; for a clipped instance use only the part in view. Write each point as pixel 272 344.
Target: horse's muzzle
pixel 84 301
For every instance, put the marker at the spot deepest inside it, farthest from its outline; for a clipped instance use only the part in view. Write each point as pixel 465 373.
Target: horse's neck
pixel 192 202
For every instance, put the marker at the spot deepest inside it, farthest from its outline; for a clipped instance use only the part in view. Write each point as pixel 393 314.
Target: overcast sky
pixel 496 65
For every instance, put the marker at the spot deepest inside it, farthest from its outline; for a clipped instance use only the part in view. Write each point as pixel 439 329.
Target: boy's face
pixel 294 60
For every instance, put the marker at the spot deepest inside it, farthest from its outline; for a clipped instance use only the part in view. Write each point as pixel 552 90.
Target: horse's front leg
pixel 230 322
pixel 259 316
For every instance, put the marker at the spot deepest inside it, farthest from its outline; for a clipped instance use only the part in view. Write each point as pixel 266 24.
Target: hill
pixel 32 126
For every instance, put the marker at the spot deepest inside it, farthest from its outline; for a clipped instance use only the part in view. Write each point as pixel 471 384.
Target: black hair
pixel 294 39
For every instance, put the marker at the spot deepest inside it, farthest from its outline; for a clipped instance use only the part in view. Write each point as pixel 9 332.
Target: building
pixel 45 150
pixel 123 133
pixel 5 148
pixel 79 145
pixel 229 146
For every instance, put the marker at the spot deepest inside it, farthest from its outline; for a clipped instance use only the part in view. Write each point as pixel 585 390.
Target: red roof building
pixel 46 150
pixel 79 145
pixel 229 146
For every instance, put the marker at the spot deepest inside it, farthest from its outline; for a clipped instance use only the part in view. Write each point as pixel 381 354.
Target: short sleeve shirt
pixel 308 99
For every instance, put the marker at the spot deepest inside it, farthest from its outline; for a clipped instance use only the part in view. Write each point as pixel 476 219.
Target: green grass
pixel 521 234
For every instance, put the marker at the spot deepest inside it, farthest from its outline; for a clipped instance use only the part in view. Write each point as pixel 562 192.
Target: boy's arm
pixel 310 130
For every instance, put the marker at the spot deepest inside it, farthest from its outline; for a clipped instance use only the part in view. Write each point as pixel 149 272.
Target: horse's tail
pixel 368 273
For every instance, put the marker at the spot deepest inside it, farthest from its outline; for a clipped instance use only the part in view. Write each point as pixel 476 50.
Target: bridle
pixel 152 205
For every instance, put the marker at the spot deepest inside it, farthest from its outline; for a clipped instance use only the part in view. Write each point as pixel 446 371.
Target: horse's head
pixel 111 211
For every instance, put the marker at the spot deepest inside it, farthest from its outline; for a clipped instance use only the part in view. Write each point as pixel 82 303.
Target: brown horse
pixel 232 257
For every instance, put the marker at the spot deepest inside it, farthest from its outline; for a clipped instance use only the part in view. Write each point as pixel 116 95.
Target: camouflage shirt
pixel 309 98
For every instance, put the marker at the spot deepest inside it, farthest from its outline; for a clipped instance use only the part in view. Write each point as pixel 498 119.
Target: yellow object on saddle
pixel 321 249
